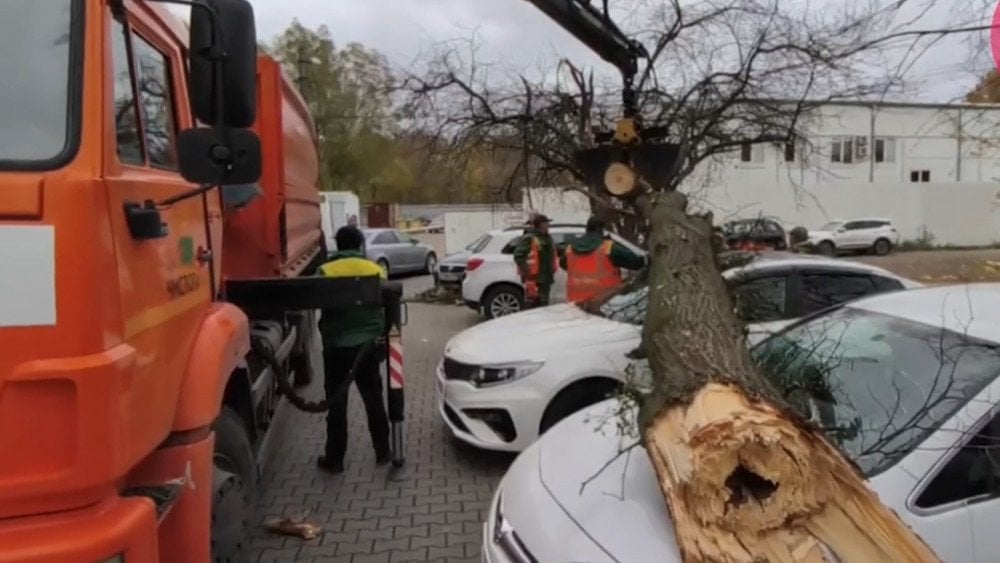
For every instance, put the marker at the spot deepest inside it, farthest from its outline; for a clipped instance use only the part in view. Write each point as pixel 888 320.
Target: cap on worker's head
pixel 595 225
pixel 540 219
pixel 349 238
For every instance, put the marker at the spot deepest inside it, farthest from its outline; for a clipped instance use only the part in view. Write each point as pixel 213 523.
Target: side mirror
pixel 223 70
pixel 414 241
pixel 210 156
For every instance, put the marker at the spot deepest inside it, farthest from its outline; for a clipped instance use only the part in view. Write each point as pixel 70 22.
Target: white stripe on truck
pixel 27 275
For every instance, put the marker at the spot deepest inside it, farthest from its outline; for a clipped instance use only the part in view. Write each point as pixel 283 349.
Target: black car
pixel 760 233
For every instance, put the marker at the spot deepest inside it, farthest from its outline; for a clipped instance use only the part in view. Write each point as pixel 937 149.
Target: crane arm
pixel 596 30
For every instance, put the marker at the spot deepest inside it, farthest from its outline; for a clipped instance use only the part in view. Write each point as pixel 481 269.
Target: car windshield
pixel 478 244
pixel 831 226
pixel 877 384
pixel 35 38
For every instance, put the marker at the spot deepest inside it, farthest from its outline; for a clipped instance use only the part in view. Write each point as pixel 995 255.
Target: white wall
pixel 961 214
pixel 958 145
pixel 463 227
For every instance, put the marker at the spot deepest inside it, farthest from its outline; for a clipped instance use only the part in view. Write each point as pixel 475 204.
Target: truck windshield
pixel 35 103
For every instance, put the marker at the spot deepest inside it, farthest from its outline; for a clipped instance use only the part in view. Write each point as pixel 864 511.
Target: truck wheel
pixel 503 300
pixel 300 360
pixel 234 490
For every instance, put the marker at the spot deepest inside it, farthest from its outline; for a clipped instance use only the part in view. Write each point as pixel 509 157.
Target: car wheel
pixel 430 264
pixel 882 247
pixel 826 248
pixel 234 490
pixel 384 264
pixel 503 300
pixel 576 397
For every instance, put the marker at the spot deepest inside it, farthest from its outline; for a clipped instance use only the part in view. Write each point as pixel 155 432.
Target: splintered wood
pixel 743 483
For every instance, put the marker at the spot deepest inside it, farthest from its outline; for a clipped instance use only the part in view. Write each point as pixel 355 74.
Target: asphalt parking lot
pixel 430 510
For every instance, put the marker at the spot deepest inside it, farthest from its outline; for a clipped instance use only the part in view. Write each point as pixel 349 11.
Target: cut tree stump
pixel 743 483
pixel 744 477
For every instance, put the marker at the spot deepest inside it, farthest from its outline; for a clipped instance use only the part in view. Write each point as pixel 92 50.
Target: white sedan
pixel 504 382
pixel 934 353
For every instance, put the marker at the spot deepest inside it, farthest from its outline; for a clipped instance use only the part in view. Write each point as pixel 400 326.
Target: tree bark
pixel 744 477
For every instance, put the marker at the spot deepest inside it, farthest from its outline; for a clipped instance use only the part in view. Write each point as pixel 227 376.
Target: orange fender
pixel 221 347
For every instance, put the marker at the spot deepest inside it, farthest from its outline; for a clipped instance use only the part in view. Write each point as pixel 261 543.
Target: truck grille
pixel 458 371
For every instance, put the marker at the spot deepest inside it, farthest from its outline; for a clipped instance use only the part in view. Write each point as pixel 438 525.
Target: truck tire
pixel 234 490
pixel 502 300
pixel 300 361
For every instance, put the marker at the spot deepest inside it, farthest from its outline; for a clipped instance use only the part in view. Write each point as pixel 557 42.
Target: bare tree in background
pixel 745 477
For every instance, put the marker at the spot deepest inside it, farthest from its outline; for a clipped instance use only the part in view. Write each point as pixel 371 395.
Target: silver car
pixel 397 252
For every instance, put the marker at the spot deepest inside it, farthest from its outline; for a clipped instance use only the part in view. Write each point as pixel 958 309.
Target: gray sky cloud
pixel 516 33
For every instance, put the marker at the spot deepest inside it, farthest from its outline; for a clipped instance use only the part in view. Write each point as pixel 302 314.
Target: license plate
pixel 448 277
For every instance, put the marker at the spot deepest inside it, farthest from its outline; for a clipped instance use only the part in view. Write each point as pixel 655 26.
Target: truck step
pixel 163 496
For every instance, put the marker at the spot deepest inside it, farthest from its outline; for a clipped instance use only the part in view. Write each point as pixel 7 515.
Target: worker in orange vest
pixel 537 260
pixel 593 264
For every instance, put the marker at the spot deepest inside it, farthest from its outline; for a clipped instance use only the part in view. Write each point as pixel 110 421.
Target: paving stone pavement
pixel 430 510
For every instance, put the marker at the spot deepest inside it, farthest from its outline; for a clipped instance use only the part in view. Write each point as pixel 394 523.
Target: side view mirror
pixel 223 70
pixel 414 241
pixel 841 229
pixel 210 156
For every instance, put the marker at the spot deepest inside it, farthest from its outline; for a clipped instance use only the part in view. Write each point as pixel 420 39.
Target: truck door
pixel 163 285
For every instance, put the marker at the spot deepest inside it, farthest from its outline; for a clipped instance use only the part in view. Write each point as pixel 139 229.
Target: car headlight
pixel 506 539
pixel 497 374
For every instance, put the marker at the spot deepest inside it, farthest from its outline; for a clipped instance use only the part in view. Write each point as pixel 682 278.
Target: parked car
pixel 492 285
pixel 398 253
pixel 874 235
pixel 451 269
pixel 760 233
pixel 502 383
pixel 931 354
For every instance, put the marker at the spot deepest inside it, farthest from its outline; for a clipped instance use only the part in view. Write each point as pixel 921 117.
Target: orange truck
pixel 143 184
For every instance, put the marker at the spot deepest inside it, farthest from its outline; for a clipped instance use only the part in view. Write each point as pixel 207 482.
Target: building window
pixel 751 153
pixel 920 176
pixel 842 150
pixel 789 152
pixel 885 150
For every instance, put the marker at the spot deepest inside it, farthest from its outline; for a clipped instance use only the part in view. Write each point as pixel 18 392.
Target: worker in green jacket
pixel 346 333
pixel 537 260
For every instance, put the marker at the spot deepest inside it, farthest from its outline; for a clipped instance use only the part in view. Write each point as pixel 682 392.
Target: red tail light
pixel 473 264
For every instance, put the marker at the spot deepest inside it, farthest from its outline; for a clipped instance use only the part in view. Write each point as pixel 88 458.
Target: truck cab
pixel 130 402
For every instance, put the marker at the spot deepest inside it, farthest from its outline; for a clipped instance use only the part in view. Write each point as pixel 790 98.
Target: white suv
pixel 492 285
pixel 874 234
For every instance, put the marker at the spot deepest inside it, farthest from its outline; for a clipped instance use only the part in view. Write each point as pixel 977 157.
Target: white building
pixel 927 167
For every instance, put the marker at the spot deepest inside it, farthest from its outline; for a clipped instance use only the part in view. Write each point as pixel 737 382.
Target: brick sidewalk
pixel 430 510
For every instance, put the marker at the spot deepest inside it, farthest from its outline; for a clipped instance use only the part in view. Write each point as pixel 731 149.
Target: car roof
pixel 964 308
pixel 775 261
pixel 882 219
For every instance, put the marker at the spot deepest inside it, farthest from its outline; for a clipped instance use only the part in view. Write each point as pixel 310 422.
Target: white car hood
pixel 816 235
pixel 622 509
pixel 534 334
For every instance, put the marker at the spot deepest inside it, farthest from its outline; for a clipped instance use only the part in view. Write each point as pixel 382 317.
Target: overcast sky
pixel 517 33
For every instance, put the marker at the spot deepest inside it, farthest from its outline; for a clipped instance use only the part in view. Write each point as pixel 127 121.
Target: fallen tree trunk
pixel 744 477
